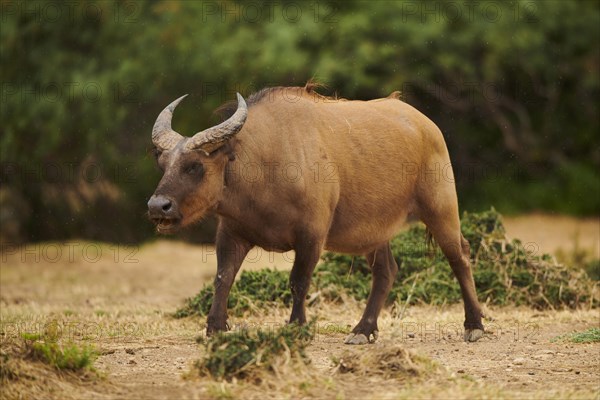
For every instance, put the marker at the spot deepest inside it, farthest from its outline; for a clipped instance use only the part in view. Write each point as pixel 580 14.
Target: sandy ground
pixel 552 233
pixel 119 299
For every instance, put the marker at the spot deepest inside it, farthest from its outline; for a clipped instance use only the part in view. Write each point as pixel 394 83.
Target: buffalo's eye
pixel 194 169
pixel 157 153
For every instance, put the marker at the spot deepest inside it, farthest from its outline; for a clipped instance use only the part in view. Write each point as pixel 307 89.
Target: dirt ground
pixel 119 299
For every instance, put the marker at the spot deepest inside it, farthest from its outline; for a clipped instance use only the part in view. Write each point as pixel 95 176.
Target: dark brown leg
pixel 384 270
pixel 307 256
pixel 231 252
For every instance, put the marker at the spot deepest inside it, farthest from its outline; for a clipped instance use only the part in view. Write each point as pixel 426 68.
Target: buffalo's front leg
pixel 231 251
pixel 307 256
pixel 384 270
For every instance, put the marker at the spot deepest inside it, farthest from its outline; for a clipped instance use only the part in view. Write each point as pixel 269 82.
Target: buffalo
pixel 326 173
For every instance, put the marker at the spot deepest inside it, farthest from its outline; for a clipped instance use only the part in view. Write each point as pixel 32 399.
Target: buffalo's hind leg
pixel 445 228
pixel 384 270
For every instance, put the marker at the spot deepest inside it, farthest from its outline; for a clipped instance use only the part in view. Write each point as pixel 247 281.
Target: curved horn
pixel 163 136
pixel 212 138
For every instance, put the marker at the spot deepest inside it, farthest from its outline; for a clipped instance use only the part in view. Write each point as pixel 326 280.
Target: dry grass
pixel 389 362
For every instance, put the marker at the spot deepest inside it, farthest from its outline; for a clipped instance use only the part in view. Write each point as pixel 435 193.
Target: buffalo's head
pixel 193 169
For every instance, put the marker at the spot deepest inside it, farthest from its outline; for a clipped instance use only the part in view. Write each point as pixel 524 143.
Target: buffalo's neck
pixel 239 187
pixel 247 207
pixel 240 200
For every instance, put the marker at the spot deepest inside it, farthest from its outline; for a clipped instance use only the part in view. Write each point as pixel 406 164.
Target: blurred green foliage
pixel 514 86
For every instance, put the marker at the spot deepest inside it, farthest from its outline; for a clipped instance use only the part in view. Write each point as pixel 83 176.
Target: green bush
pixel 253 290
pixel 505 271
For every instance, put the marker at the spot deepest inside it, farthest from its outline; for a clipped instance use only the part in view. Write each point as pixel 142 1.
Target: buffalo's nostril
pixel 159 205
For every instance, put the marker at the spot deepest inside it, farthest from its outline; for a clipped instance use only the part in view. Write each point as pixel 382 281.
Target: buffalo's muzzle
pixel 163 212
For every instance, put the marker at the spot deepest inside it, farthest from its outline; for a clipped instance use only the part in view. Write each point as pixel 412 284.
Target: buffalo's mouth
pixel 166 225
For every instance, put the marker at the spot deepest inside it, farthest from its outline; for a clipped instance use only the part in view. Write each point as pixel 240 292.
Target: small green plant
pixel 242 353
pixel 254 290
pixel 591 335
pixel 31 337
pixel 70 356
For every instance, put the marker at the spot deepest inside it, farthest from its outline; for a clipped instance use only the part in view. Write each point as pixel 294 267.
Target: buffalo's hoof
pixel 361 338
pixel 213 328
pixel 473 335
pixel 356 338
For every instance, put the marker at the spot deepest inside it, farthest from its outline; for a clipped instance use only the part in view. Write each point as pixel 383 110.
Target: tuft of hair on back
pixel 313 84
pixel 395 95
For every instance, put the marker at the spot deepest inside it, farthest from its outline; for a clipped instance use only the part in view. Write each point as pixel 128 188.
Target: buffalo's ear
pixel 228 150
